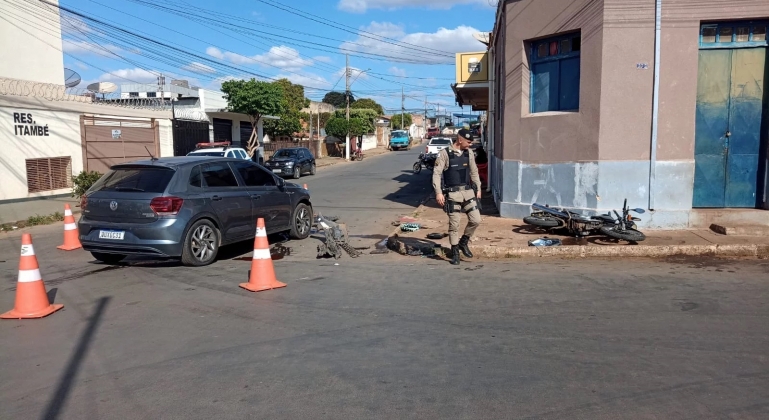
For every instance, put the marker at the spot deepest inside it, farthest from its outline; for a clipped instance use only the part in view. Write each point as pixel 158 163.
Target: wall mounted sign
pixel 25 125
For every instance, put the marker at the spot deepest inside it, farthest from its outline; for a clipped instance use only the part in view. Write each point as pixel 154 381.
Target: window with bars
pixel 555 73
pixel 49 174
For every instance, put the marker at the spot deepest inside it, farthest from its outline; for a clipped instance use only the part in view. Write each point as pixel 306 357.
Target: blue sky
pixel 405 44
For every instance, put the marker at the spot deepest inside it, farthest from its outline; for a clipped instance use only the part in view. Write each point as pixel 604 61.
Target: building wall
pixel 593 159
pixel 62 139
pixel 30 44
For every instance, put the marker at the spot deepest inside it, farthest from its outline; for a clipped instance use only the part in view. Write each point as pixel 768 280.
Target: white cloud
pixel 323 59
pixel 308 80
pixel 81 66
pixel 128 75
pixel 444 42
pixel 197 67
pixel 73 47
pixel 397 72
pixel 361 6
pixel 282 57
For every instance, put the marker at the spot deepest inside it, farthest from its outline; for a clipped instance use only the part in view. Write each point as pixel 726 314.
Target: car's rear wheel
pixel 108 258
pixel 201 244
pixel 301 222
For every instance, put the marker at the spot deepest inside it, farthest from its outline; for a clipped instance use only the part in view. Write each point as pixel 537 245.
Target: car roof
pixel 176 161
pixel 215 149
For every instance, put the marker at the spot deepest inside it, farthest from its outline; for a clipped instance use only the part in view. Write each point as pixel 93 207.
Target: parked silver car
pixel 187 207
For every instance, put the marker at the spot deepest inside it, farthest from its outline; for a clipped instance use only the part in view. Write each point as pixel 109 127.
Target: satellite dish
pixel 71 78
pixel 482 37
pixel 102 87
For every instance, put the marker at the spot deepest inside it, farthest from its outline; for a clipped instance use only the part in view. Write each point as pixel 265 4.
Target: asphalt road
pixel 386 336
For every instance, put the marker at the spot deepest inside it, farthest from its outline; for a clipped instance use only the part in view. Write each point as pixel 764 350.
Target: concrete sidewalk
pixel 330 160
pixel 508 238
pixel 21 210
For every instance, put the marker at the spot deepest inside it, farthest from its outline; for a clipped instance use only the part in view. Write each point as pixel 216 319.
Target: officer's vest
pixel 458 172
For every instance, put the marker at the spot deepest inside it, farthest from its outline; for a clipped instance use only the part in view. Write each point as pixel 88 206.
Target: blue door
pixel 728 132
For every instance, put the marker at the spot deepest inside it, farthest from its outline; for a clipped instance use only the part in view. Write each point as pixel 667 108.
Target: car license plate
pixel 277 171
pixel 112 234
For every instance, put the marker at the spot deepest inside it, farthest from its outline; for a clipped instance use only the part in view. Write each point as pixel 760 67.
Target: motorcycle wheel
pixel 630 235
pixel 417 168
pixel 542 221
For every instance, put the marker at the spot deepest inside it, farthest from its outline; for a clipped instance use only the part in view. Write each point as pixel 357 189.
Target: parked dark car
pixel 293 161
pixel 187 207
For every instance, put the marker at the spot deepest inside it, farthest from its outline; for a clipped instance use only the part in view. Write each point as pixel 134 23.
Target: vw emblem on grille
pixel 113 205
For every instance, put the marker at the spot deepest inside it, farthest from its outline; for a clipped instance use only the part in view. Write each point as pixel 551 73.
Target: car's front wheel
pixel 313 169
pixel 108 258
pixel 201 244
pixel 301 222
pixel 297 173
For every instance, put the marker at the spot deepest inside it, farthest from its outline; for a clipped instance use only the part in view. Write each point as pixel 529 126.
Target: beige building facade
pixel 577 120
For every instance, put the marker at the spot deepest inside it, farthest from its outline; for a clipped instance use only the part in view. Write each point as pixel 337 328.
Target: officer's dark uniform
pixel 456 177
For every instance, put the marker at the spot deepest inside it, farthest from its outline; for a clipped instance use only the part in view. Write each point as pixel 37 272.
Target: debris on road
pixel 436 235
pixel 336 239
pixel 412 246
pixel 410 227
pixel 545 242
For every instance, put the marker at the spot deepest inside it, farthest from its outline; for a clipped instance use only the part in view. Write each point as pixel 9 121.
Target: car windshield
pixel 286 153
pixel 207 153
pixel 440 142
pixel 399 134
pixel 153 180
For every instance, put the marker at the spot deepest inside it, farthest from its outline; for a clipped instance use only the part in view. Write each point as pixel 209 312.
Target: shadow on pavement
pixel 59 399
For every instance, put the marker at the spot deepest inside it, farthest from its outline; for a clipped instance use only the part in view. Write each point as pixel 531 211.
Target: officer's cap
pixel 465 133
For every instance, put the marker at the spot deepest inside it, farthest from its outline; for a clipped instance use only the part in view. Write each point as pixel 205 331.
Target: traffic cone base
pixel 71 238
pixel 31 298
pixel 262 274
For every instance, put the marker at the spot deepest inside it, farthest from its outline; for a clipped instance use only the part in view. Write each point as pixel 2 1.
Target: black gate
pixel 245 133
pixel 222 130
pixel 187 134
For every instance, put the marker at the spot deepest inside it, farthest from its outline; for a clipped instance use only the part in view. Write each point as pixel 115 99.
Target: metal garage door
pixel 222 130
pixel 187 134
pixel 109 141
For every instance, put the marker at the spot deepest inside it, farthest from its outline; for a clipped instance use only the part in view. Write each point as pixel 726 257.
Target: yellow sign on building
pixel 472 67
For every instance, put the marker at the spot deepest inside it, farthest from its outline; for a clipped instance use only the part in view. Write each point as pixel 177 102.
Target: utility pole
pixel 347 98
pixel 161 82
pixel 424 121
pixel 403 109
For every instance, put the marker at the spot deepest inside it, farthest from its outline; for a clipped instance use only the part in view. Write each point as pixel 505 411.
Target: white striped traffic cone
pixel 31 298
pixel 71 238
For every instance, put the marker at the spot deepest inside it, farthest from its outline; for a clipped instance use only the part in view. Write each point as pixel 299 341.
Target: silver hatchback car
pixel 187 207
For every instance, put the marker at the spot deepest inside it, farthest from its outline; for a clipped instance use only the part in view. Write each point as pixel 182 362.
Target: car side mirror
pixel 639 211
pixel 281 182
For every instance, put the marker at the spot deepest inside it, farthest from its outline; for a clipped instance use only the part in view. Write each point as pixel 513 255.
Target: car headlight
pixel 289 163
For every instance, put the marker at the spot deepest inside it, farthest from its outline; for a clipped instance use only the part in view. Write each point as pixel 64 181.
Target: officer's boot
pixel 463 241
pixel 455 255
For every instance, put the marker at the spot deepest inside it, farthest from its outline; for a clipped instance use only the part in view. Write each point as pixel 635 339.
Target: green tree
pixel 358 127
pixel 337 127
pixel 395 122
pixel 294 95
pixel 367 103
pixel 338 99
pixel 290 121
pixel 255 99
pixel 366 115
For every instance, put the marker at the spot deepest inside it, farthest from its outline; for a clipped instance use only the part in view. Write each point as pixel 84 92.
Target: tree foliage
pixel 290 121
pixel 338 99
pixel 395 122
pixel 255 99
pixel 367 103
pixel 337 127
pixel 367 117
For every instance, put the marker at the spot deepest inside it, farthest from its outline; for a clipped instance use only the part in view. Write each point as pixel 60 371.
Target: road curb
pixel 628 251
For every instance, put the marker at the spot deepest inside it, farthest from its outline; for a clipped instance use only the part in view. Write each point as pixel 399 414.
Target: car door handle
pixel 216 198
pixel 256 197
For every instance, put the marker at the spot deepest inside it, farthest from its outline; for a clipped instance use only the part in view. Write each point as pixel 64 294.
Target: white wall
pixel 211 99
pixel 30 44
pixel 166 135
pixel 369 142
pixel 63 139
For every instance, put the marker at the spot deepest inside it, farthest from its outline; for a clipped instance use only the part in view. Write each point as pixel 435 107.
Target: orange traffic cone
pixel 71 240
pixel 262 274
pixel 305 186
pixel 31 298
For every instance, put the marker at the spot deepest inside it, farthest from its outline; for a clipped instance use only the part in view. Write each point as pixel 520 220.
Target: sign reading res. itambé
pixel 24 125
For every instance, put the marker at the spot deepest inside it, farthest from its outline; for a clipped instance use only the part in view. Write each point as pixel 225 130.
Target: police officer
pixel 457 189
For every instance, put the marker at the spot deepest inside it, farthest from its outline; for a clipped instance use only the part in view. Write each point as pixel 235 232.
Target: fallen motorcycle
pixel 623 227
pixel 425 160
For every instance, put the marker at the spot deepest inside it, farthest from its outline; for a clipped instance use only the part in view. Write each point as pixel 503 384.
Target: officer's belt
pixel 458 188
